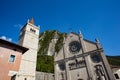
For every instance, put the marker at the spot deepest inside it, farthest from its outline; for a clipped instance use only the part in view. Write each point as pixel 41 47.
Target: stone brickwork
pixel 44 76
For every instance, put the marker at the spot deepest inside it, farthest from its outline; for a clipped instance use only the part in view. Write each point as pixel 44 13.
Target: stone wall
pixel 44 76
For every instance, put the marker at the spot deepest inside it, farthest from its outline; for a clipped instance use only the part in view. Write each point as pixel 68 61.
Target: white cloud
pixel 18 26
pixel 9 39
pixel 5 38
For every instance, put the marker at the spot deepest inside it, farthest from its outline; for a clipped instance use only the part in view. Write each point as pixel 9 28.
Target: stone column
pixel 88 66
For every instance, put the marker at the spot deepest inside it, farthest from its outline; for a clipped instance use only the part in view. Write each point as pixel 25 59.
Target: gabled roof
pixel 23 49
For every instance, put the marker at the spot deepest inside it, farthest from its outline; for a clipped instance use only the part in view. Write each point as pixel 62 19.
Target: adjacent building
pixel 116 72
pixel 10 59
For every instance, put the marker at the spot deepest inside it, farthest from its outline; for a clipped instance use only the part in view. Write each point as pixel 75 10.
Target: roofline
pixel 74 33
pixel 23 49
pixel 89 41
pixel 84 38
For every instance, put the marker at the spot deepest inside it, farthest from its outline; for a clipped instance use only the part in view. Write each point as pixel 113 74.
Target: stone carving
pixel 77 64
pixel 100 72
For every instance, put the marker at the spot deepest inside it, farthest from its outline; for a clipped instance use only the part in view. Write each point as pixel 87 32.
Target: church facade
pixel 81 59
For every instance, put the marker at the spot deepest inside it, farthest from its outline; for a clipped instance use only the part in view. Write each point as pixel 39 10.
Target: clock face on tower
pixel 74 46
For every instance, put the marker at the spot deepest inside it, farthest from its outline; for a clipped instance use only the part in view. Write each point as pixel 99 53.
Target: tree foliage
pixel 45 63
pixel 45 39
pixel 114 60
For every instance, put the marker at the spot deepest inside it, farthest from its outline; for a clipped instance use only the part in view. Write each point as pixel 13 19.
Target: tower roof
pixel 31 21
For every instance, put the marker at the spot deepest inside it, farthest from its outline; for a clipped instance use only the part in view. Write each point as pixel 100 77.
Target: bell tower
pixel 29 36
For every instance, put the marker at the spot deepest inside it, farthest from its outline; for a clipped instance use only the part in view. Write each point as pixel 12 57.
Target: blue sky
pixel 95 18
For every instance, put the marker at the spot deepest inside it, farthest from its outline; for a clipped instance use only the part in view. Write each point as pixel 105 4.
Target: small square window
pixel 12 58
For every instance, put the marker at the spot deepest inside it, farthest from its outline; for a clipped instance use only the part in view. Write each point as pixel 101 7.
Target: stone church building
pixel 81 59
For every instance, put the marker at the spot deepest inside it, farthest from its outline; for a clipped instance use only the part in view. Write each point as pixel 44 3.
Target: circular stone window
pixel 74 46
